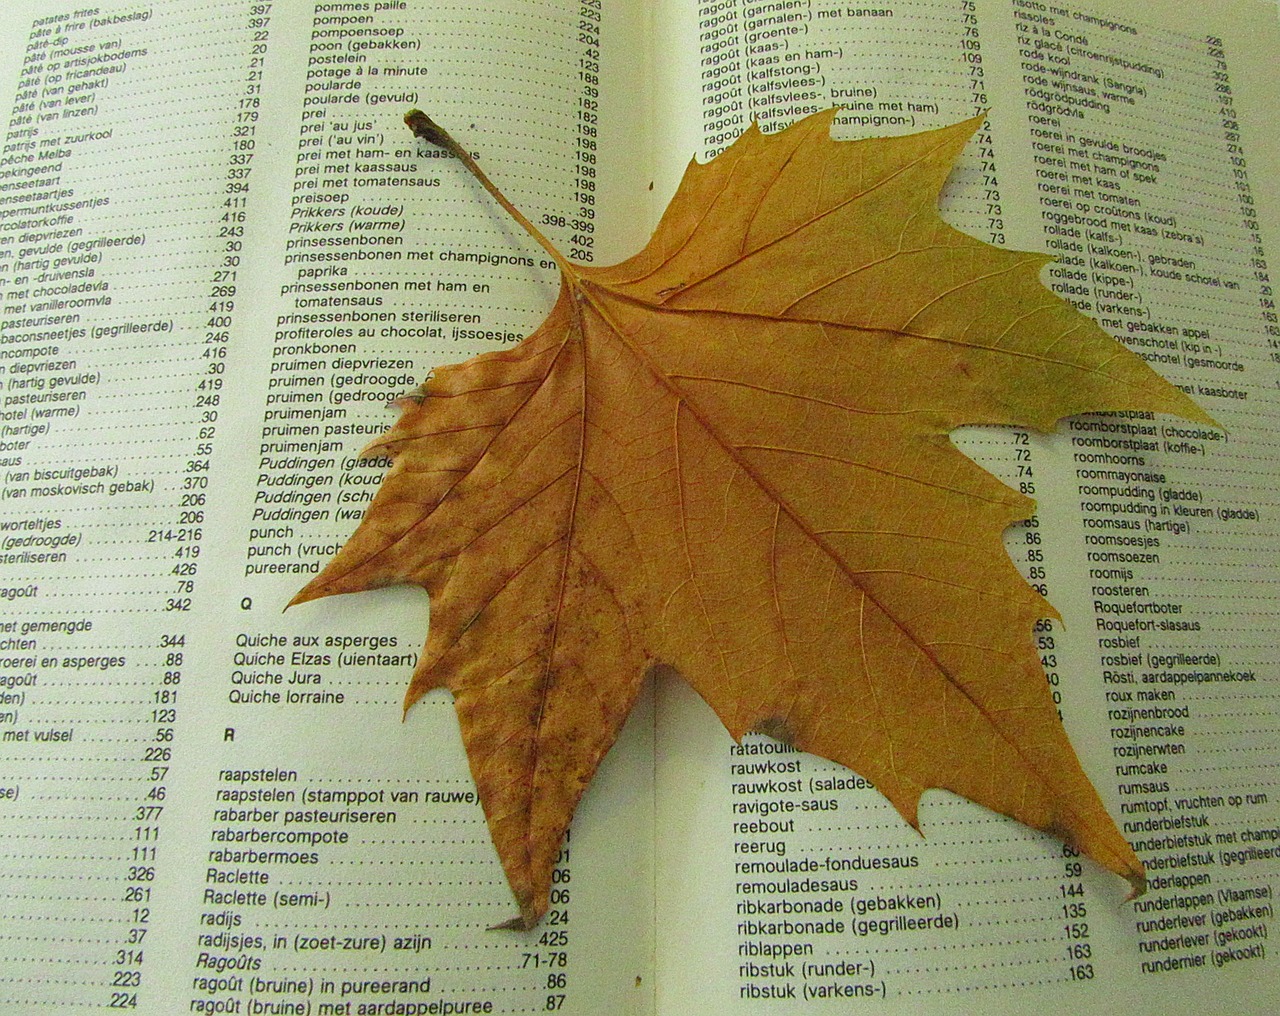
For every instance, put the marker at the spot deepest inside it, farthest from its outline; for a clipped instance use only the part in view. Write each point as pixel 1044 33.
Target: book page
pixel 1133 142
pixel 223 256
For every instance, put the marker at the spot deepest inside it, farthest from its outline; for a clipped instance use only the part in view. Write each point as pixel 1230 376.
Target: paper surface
pixel 223 255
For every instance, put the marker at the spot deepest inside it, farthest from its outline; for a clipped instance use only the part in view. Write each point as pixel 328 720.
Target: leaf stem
pixel 428 130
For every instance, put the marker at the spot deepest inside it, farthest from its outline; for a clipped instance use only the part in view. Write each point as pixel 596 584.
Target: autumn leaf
pixel 730 455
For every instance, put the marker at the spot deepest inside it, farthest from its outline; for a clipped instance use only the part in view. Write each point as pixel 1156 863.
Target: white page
pixel 982 914
pixel 236 258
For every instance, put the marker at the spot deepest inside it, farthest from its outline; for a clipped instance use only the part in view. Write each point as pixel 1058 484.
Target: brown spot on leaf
pixel 777 728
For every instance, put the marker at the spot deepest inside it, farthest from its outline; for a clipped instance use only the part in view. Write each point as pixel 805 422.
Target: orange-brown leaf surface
pixel 730 454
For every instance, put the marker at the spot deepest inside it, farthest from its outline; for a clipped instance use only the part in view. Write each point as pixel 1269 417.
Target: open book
pixel 222 255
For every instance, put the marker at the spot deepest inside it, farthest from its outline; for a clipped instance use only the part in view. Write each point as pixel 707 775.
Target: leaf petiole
pixel 426 129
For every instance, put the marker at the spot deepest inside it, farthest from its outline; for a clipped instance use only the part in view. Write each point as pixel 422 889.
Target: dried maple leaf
pixel 730 454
